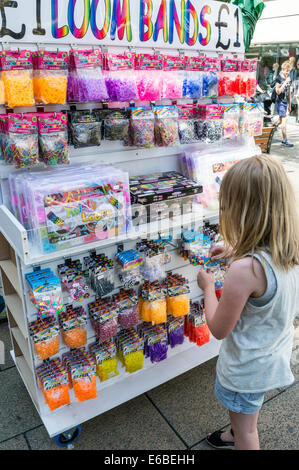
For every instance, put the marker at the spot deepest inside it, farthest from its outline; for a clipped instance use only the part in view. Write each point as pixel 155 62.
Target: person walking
pixel 255 314
pixel 283 100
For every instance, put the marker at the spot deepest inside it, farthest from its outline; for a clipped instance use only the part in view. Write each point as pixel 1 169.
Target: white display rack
pixel 18 257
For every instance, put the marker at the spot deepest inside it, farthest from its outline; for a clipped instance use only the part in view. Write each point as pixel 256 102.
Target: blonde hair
pixel 286 65
pixel 292 60
pixel 257 211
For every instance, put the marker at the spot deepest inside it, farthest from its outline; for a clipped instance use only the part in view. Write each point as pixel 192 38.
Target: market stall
pixel 119 120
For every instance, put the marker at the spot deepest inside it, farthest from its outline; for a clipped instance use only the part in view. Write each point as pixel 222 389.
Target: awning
pixel 279 23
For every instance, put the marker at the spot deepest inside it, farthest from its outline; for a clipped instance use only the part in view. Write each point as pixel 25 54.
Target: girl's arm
pixel 240 283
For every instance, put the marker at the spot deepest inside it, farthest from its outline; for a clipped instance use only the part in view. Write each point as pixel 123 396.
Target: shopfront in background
pixel 276 39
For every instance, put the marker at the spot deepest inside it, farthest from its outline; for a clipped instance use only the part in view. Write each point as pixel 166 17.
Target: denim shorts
pixel 247 403
pixel 281 108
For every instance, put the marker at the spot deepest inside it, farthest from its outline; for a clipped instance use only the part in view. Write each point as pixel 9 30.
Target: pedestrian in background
pixel 283 100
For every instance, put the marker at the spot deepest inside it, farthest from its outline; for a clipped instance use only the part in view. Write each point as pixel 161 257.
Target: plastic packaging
pixel 155 342
pixel 82 373
pixel 149 77
pixel 45 292
pixel 21 144
pixel 175 330
pixel 105 358
pixel 166 126
pixel 53 382
pixel 74 280
pixel 86 81
pixel 210 123
pixel 53 138
pixel 193 77
pixel 103 316
pixel 121 78
pixel 17 77
pixel 231 117
pixel 154 302
pixel 50 76
pixel 142 127
pixel 210 85
pixel 116 124
pixel 187 124
pixel 73 327
pixel 85 128
pixel 128 263
pixel 252 116
pixel 178 304
pixel 45 337
pixel 196 326
pixel 127 302
pixel 130 350
pixel 101 273
pixel 77 204
pixel 173 77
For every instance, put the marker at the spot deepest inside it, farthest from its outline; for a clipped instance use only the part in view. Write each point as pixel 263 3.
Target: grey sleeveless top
pixel 255 356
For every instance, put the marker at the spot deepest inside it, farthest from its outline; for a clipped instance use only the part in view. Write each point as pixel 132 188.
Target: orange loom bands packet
pixel 146 311
pixel 17 77
pixel 158 311
pixel 50 76
pixel 85 388
pixel 2 93
pixel 47 348
pixel 75 338
pixel 178 305
pixel 58 396
pixel 53 382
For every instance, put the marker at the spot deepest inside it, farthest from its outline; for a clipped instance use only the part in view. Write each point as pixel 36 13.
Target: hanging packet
pixel 173 77
pixel 86 81
pixel 166 126
pixel 50 76
pixel 142 127
pixel 149 77
pixel 120 77
pixel 21 145
pixel 53 139
pixel 85 128
pixel 17 76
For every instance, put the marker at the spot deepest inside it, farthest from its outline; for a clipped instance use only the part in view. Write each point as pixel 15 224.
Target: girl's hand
pixel 217 252
pixel 205 278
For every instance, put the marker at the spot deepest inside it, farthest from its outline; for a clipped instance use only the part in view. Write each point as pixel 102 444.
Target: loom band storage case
pixel 117 203
pixel 50 72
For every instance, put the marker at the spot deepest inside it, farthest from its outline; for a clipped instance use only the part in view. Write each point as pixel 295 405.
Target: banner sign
pixel 198 24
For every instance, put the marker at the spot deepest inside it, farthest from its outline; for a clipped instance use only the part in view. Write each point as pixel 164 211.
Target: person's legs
pixel 244 427
pixel 284 127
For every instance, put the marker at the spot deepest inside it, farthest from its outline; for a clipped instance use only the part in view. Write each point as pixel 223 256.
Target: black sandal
pixel 215 441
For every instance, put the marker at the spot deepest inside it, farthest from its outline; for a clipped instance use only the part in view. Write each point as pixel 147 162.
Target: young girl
pixel 255 314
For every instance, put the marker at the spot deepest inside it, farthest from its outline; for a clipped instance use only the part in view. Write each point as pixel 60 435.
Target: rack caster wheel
pixel 67 438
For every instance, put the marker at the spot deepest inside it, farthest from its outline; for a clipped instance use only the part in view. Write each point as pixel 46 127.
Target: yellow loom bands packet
pixel 50 76
pixel 17 77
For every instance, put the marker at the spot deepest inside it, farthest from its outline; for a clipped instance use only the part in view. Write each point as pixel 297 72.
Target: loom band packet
pixel 18 86
pixel 187 125
pixel 50 86
pixel 2 91
pixel 86 129
pixel 149 84
pixel 178 305
pixel 210 83
pixel 142 126
pixel 115 124
pixel 166 126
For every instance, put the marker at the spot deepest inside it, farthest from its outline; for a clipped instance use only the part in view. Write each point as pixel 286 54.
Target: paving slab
pixel 17 412
pixel 278 423
pixel 135 425
pixel 5 337
pixel 189 404
pixel 16 443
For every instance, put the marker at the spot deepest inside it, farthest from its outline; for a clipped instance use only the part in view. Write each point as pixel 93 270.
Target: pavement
pixel 178 414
